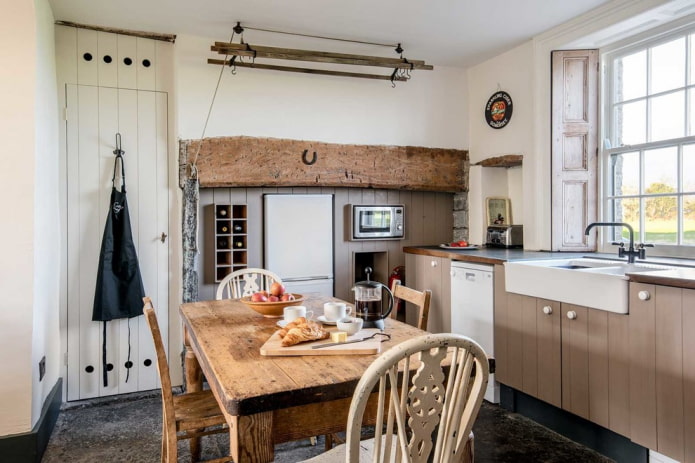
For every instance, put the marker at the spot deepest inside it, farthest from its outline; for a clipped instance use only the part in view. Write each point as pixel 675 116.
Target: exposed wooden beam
pixel 507 160
pixel 236 49
pixel 306 70
pixel 146 35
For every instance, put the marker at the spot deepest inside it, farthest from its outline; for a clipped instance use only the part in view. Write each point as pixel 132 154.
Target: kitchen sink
pixel 596 283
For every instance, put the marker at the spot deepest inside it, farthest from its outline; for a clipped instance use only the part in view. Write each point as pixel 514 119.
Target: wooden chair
pixel 421 299
pixel 425 416
pixel 245 282
pixel 186 415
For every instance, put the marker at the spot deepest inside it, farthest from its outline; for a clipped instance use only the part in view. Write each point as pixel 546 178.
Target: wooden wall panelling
pixel 106 58
pixel 146 72
pixel 642 367
pixel 164 66
pixel 689 374
pixel 87 73
pixel 341 254
pixel 164 205
pixel 548 341
pixel 127 73
pixel 619 374
pixel 597 351
pixel 669 378
pixel 575 364
pixel 233 161
pixel 66 56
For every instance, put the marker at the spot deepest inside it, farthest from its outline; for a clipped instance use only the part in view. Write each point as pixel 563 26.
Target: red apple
pixel 276 289
pixel 287 297
pixel 259 297
pixel 273 299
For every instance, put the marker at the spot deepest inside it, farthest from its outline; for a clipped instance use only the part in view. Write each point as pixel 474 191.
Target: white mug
pixel 350 325
pixel 334 311
pixel 293 312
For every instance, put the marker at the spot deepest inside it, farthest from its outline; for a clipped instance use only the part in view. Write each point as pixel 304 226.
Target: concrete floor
pixel 128 429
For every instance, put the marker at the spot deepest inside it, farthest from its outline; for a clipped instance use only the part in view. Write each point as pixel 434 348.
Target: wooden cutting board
pixel 273 346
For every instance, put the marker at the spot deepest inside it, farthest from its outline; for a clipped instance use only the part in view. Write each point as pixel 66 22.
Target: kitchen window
pixel 649 142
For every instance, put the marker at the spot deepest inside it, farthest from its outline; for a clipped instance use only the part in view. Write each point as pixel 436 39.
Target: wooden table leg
pixel 251 438
pixel 194 383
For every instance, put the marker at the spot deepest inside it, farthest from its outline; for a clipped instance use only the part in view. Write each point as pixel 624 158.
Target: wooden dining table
pixel 268 400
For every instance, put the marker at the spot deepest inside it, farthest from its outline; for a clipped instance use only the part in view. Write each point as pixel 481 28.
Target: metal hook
pixel 307 162
pixel 118 151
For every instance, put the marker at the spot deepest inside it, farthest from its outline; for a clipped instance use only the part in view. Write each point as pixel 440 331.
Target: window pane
pixel 668 66
pixel 630 76
pixel 688 168
pixel 625 210
pixel 661 220
pixel 689 219
pixel 667 117
pixel 661 170
pixel 625 173
pixel 691 98
pixel 692 59
pixel 631 123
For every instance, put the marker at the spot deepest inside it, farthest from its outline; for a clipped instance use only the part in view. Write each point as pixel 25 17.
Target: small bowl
pixel 350 325
pixel 272 309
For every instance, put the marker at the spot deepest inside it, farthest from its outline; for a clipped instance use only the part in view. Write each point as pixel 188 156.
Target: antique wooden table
pixel 269 400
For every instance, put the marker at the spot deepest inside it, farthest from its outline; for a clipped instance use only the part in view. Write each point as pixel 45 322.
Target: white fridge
pixel 298 241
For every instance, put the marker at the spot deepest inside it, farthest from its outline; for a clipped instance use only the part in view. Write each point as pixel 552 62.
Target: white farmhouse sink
pixel 597 283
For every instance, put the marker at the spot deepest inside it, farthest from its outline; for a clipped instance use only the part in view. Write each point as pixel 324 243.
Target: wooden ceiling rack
pixel 401 66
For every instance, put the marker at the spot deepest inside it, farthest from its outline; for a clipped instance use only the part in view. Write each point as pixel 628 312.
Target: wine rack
pixel 228 240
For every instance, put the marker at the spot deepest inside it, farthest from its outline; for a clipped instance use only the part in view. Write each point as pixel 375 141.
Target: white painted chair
pixel 414 406
pixel 245 282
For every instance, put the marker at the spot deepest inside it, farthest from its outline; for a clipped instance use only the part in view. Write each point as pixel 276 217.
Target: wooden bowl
pixel 272 309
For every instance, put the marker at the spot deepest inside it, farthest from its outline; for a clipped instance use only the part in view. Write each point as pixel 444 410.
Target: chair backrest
pixel 429 393
pixel 421 299
pixel 162 366
pixel 245 282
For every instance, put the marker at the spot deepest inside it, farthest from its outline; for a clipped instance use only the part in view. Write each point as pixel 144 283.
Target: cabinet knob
pixel 433 263
pixel 572 315
pixel 644 295
pixel 547 310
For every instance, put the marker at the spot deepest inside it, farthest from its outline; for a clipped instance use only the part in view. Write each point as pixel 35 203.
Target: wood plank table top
pixel 226 337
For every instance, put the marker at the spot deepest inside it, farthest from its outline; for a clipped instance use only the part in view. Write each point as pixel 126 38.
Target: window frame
pixel 607 131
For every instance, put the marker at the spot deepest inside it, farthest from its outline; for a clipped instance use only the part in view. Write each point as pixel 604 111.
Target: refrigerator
pixel 298 241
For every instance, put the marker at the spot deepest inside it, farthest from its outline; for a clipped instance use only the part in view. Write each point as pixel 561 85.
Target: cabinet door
pixel 548 336
pixel 500 327
pixel 433 273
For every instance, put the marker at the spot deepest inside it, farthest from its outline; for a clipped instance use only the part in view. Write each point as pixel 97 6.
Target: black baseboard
pixel 29 447
pixel 604 441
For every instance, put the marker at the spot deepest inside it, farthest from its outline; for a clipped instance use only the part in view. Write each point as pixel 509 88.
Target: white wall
pixel 45 338
pixel 429 110
pixel 18 43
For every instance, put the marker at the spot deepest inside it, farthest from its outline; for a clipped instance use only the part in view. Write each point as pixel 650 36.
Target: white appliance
pixel 298 241
pixel 472 310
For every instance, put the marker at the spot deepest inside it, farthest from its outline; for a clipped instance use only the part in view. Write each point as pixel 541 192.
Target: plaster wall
pixel 18 49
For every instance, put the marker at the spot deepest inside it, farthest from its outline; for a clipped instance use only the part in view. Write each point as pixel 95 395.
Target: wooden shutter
pixel 574 148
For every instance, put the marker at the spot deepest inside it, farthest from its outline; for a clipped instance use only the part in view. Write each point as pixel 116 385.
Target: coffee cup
pixel 291 313
pixel 350 325
pixel 334 311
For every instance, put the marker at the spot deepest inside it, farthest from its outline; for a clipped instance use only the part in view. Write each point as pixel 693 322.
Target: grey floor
pixel 127 429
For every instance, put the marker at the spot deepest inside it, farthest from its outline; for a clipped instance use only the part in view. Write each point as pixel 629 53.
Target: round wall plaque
pixel 498 110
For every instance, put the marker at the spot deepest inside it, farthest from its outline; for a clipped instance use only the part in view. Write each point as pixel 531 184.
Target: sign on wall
pixel 498 110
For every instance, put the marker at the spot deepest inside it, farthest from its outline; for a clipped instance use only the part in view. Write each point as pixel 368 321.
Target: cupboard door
pixel 548 339
pixel 619 373
pixel 500 326
pixel 642 365
pixel 575 361
pixel 689 374
pixel 433 273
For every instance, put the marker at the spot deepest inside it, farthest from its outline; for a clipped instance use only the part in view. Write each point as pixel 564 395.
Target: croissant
pixel 293 324
pixel 309 331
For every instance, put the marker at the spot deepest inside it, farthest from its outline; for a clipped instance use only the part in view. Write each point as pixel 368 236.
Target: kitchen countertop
pixel 682 277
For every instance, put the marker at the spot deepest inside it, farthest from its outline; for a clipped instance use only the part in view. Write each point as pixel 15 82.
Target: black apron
pixel 119 289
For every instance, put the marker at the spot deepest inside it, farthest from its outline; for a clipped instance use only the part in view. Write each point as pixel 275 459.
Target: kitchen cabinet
pixel 570 356
pixel 662 369
pixel 227 240
pixel 433 273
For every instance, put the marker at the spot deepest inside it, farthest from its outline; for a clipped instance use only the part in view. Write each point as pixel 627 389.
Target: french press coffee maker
pixel 369 305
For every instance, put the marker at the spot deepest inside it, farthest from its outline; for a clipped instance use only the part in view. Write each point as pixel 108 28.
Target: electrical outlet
pixel 42 368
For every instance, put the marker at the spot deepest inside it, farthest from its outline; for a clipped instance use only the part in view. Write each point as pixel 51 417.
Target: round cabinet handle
pixel 547 310
pixel 644 295
pixel 572 315
pixel 433 263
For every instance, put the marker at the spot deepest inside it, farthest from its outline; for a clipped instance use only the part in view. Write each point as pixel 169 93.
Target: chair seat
pixel 195 410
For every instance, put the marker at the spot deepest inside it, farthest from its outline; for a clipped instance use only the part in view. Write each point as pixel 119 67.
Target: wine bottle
pixel 223 229
pixel 238 244
pixel 222 243
pixel 237 228
pixel 223 212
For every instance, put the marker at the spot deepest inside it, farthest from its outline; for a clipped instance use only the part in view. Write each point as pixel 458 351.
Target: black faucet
pixel 631 252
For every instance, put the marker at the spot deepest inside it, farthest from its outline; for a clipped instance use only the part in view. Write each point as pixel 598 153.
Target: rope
pixel 320 37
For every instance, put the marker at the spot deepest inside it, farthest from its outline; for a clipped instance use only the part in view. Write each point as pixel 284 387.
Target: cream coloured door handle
pixel 572 315
pixel 547 310
pixel 644 295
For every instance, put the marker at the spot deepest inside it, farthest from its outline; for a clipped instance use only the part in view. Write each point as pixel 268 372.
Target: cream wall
pixel 429 110
pixel 46 332
pixel 18 43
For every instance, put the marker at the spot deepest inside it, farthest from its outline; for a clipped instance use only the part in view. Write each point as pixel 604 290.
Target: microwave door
pixel 375 222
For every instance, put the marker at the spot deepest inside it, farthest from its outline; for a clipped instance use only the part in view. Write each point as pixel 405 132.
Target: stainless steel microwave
pixel 377 222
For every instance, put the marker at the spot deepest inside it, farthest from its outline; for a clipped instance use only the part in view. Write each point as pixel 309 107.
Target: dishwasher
pixel 472 310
